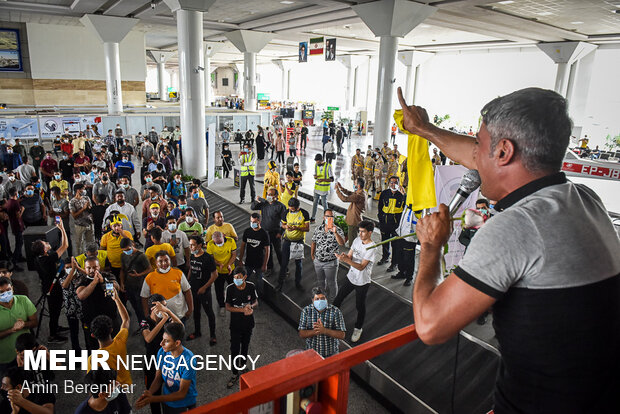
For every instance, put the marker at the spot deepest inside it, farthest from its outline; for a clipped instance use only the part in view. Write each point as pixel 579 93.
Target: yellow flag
pixel 421 187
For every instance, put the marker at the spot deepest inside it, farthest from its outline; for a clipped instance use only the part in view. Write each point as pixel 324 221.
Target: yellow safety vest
pixel 322 174
pixel 249 169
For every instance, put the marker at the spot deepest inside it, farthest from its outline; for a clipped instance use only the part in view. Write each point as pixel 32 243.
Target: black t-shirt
pixel 39 399
pixel 47 268
pixel 296 175
pixel 66 168
pixel 152 348
pixel 304 131
pixel 238 298
pixel 119 405
pixel 98 303
pixel 255 243
pixel 201 268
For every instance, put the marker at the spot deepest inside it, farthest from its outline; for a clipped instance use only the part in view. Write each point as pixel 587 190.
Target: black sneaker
pixel 382 261
pixel 63 329
pixel 391 268
pixel 232 381
pixel 312 220
pixel 398 276
pixel 279 286
pixel 407 282
pixel 241 202
pixel 56 339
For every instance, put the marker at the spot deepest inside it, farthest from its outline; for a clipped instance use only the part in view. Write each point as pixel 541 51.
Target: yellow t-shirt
pixel 285 197
pixel 223 253
pixel 117 349
pixel 63 185
pixel 152 251
pixel 102 255
pixel 112 245
pixel 227 230
pixel 298 218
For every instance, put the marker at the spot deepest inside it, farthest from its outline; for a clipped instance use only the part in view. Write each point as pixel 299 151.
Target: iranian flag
pixel 316 46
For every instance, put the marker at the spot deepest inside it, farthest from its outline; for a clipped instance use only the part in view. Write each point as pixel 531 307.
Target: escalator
pixel 416 378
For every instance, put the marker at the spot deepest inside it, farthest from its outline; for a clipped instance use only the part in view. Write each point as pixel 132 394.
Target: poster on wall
pixel 11 128
pixel 50 127
pixel 10 52
pixel 95 123
pixel 303 52
pixel 330 49
pixel 72 124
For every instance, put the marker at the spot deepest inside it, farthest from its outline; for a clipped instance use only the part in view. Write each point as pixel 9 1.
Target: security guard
pixel 247 162
pixel 391 203
pixel 357 165
pixel 323 177
pixel 369 166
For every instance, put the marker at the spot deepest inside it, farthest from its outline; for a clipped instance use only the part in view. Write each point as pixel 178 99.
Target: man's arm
pixel 122 311
pixel 441 310
pixel 459 148
pixel 241 251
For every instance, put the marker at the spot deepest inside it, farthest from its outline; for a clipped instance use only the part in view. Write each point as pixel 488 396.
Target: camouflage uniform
pixel 369 165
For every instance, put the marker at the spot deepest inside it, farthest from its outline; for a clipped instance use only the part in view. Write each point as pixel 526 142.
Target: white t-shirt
pixel 361 277
pixel 25 173
pixel 182 244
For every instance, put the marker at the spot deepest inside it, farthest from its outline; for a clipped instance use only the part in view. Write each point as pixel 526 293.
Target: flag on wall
pixel 316 46
pixel 330 49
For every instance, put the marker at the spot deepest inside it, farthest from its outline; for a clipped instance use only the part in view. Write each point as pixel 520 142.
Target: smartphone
pixel 173 237
pixel 57 219
pixel 109 289
pixel 329 223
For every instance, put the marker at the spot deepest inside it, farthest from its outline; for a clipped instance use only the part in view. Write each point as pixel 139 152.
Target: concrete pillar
pixel 350 62
pixel 250 43
pixel 285 66
pixel 389 20
pixel 189 15
pixel 368 84
pixel 160 58
pixel 412 59
pixel 111 31
pixel 211 48
pixel 564 54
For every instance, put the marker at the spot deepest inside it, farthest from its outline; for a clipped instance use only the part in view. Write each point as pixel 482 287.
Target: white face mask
pixel 219 244
pixel 115 392
pixel 165 270
pixel 160 315
pixel 189 220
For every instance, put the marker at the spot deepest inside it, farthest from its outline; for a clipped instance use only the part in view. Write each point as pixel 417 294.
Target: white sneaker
pixel 222 311
pixel 356 334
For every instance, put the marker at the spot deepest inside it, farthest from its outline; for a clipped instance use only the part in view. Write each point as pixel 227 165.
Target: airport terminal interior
pixel 245 168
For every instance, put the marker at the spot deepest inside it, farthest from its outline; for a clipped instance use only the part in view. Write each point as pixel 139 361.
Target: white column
pixel 284 83
pixel 208 94
pixel 368 84
pixel 288 84
pixel 161 81
pixel 113 77
pixel 192 90
pixel 388 46
pixel 249 76
pixel 561 77
pixel 408 81
pixel 350 85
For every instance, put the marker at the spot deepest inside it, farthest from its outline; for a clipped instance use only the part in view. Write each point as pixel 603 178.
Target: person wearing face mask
pixel 296 224
pixel 135 266
pixel 13 182
pixel 378 173
pixel 66 147
pixel 59 206
pixel 390 208
pixel 124 167
pixel 321 325
pixel 271 178
pixel 81 160
pixel 110 242
pixel 145 189
pixel 96 300
pixel 48 166
pixel 357 200
pixel 58 181
pixel 220 225
pixel 14 211
pixel 241 300
pixel 179 242
pixel 256 247
pixel 199 204
pixel 12 160
pixel 158 245
pixel 247 163
pixel 80 207
pixel 24 399
pixel 176 188
pixel 323 176
pixel 132 223
pixel 131 194
pixel 25 172
pixel 118 135
pixel 226 160
pixel 171 283
pixel 37 153
pixel 102 328
pixel 155 197
pixel 106 397
pixel 104 187
pixel 482 205
pixel 357 165
pixel 127 150
pixel 224 252
pixel 202 274
pixel 35 212
pixel 325 245
pixel 18 316
pixel 288 189
pixel 79 144
pixel 190 224
pixel 146 151
pixel 272 212
pixel 153 219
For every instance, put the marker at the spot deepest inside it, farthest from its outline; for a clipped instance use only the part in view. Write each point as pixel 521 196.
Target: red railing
pixel 276 380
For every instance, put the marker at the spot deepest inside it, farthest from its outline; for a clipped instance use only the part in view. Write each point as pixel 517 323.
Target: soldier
pixel 357 165
pixel 392 167
pixel 404 177
pixel 378 173
pixel 385 152
pixel 395 151
pixel 369 165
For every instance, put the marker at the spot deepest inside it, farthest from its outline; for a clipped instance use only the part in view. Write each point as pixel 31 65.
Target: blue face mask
pixel 5 297
pixel 491 205
pixel 254 225
pixel 238 282
pixel 29 193
pixel 182 206
pixel 37 185
pixel 128 252
pixel 195 196
pixel 320 304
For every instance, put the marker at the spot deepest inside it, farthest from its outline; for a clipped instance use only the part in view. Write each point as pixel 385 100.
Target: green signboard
pixel 333 108
pixel 263 97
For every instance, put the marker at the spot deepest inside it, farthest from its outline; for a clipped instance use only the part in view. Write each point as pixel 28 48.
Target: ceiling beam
pixel 289 15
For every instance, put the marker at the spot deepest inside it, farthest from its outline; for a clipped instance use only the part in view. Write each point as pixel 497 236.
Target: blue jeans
pixel 286 253
pixel 315 204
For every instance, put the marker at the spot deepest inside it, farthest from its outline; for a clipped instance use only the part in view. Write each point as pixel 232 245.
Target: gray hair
pixel 317 290
pixel 536 121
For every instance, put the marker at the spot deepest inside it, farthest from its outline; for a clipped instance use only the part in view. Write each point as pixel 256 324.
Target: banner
pixel 11 128
pixel 303 52
pixel 50 127
pixel 73 124
pixel 95 124
pixel 316 46
pixel 330 49
pixel 447 181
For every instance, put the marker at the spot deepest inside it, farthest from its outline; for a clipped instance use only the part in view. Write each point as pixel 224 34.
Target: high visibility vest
pixel 247 169
pixel 358 161
pixel 322 173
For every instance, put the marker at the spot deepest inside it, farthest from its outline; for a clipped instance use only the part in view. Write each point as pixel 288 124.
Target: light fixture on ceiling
pixel 287 2
pixel 544 13
pixel 506 2
pixel 576 22
pixel 424 26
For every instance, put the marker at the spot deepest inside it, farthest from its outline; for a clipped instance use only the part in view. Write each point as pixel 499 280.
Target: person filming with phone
pixel 325 245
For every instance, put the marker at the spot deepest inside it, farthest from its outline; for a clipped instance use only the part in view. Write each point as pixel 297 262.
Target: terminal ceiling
pixel 458 24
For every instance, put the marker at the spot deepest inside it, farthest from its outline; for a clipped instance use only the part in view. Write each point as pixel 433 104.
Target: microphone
pixel 469 182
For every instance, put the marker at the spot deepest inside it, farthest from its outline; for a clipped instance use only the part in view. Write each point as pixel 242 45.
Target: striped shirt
pixel 331 318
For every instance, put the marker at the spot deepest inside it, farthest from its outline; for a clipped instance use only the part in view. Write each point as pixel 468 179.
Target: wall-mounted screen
pixel 10 51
